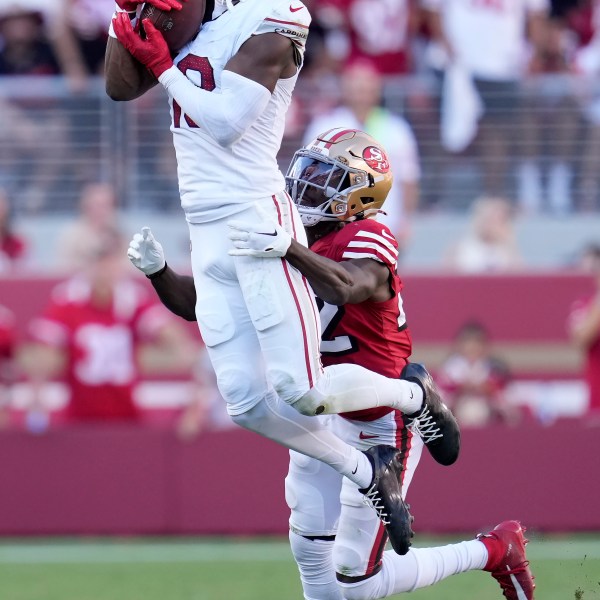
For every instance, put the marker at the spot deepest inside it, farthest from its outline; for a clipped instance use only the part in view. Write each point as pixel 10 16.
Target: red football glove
pixel 152 52
pixel 131 5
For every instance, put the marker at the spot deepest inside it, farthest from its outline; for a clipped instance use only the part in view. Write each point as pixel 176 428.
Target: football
pixel 177 26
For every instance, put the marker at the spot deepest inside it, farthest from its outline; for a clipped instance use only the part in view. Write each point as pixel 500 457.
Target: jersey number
pixel 107 355
pixel 331 315
pixel 199 64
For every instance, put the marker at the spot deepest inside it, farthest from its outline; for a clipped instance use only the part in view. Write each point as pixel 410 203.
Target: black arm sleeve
pixel 177 293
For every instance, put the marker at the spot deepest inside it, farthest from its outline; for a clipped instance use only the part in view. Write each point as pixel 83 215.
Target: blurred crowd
pixel 489 107
pixel 471 98
pixel 100 332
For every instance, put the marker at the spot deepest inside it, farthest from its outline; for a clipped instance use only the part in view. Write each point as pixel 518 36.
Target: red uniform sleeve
pixel 370 239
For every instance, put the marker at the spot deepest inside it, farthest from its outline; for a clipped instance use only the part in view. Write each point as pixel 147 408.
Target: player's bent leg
pixel 275 420
pixel 421 567
pixel 312 491
pixel 347 388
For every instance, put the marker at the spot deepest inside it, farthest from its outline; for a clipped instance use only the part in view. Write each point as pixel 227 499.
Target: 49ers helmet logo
pixel 376 159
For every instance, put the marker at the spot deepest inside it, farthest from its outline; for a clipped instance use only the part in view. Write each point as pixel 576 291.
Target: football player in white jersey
pixel 229 90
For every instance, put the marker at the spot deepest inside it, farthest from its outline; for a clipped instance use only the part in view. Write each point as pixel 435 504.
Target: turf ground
pixel 197 569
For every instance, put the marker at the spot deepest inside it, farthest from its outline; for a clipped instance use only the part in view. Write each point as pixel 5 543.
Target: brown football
pixel 177 26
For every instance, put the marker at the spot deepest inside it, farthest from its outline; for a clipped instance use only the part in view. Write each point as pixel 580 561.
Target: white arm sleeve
pixel 225 114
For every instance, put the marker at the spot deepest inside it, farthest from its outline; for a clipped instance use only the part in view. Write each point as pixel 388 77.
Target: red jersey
pixel 100 343
pixel 592 357
pixel 378 32
pixel 7 344
pixel 371 334
pixel 12 246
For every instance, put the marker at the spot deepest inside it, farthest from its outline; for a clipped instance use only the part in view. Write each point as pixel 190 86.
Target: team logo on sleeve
pixel 376 159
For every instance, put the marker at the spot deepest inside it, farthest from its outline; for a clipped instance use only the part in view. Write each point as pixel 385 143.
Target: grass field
pixel 197 569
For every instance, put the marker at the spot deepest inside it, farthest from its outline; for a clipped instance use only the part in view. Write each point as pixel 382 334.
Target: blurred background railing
pixel 53 142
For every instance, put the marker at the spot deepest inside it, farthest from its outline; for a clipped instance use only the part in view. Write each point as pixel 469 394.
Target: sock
pixel 419 568
pixel 317 574
pixel 277 421
pixel 346 388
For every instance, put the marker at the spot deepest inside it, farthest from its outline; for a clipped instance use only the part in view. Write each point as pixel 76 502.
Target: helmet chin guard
pixel 342 174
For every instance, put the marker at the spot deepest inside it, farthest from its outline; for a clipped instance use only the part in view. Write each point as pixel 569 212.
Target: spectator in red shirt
pixel 99 331
pixel 584 328
pixel 475 380
pixel 375 30
pixel 7 346
pixel 12 246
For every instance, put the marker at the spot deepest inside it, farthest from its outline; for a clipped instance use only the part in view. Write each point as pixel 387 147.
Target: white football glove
pixel 146 253
pixel 265 240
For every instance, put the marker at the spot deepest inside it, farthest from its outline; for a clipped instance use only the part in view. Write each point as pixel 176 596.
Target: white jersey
pixel 216 181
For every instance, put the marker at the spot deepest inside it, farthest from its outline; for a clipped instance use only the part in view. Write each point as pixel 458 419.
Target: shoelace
pixel 372 498
pixel 425 426
pixel 518 569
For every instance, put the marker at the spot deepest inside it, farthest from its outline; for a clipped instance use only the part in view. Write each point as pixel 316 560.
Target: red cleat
pixel 507 561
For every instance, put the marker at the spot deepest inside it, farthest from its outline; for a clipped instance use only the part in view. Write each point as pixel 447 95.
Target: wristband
pixel 132 15
pixel 158 273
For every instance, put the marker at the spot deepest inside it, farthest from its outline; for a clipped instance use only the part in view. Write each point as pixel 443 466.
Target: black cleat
pixel 384 494
pixel 435 423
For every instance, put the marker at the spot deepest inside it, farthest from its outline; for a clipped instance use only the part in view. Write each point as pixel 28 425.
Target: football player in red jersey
pixel 340 182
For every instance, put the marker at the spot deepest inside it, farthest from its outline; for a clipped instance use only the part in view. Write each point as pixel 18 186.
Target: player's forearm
pixel 126 78
pixel 177 293
pixel 330 280
pixel 220 113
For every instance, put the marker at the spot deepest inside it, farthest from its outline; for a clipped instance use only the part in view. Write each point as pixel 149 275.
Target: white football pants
pixel 259 320
pixel 354 566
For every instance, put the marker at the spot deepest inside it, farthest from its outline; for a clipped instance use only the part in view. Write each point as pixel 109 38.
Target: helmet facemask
pixel 320 186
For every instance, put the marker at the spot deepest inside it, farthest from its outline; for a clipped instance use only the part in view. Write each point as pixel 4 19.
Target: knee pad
pixel 311 403
pixel 312 493
pixel 235 386
pixel 287 387
pixel 346 560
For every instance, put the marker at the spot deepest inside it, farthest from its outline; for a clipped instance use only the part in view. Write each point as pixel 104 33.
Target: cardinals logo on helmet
pixel 376 159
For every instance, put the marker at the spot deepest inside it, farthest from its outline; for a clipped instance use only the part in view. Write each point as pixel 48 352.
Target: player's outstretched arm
pixel 176 292
pixel 348 282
